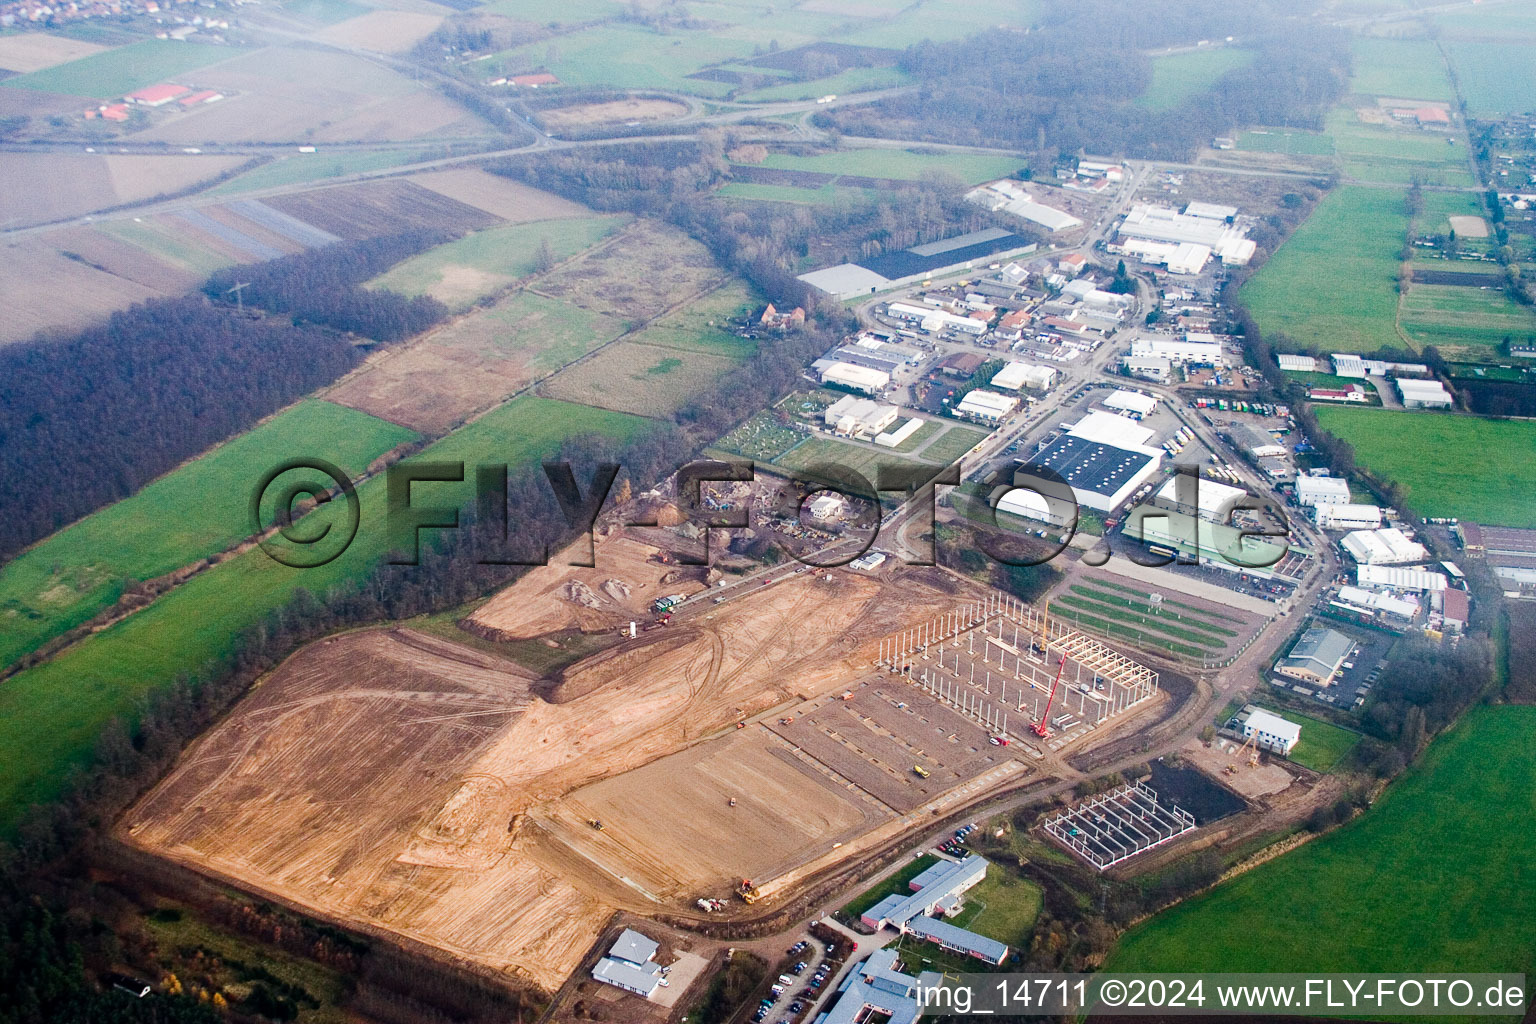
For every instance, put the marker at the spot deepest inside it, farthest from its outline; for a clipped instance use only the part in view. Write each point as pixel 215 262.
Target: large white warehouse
pixel 856 378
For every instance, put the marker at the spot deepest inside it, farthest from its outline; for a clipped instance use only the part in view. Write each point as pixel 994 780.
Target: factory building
pixel 1346 516
pixel 859 417
pixel 1317 656
pixel 1398 578
pixel 1227 241
pixel 1213 501
pixel 1368 603
pixel 986 406
pixel 1322 490
pixel 1012 198
pixel 1213 544
pixel 1183 258
pixel 1389 546
pixel 1018 375
pixel 932 319
pixel 1133 403
pixel 1153 368
pixel 1252 442
pixel 630 964
pixel 856 378
pixel 1201 349
pixel 1103 458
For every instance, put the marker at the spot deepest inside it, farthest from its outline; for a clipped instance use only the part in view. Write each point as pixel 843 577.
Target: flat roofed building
pixel 1216 545
pixel 892 438
pixel 1179 350
pixel 856 378
pixel 1387 546
pixel 938 882
pixel 1423 394
pixel 876 990
pixel 859 417
pixel 1272 732
pixel 1018 375
pixel 1371 603
pixel 1124 400
pixel 1211 500
pixel 1255 443
pixel 845 280
pixel 1317 656
pixel 1102 466
pixel 1346 516
pixel 1395 577
pixel 958 940
pixel 987 406
pixel 1154 368
pixel 1322 490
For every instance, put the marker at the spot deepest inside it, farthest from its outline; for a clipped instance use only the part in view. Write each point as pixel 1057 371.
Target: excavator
pixel 1251 748
pixel 1039 727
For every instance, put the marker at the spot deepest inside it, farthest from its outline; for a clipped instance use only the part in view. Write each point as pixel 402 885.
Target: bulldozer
pixel 747 891
pixel 595 824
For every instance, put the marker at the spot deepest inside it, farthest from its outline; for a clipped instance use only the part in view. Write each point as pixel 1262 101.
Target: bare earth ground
pixel 1268 778
pixel 582 114
pixel 33 51
pixel 641 274
pixel 501 197
pixel 124 260
pixel 383 31
pixel 76 295
pixel 408 784
pixel 633 377
pixel 383 207
pixel 42 187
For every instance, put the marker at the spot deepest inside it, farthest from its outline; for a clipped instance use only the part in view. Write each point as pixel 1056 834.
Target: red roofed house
pixel 116 112
pixel 1431 115
pixel 156 95
pixel 1011 326
pixel 1072 263
pixel 203 96
pixel 535 80
pixel 1457 607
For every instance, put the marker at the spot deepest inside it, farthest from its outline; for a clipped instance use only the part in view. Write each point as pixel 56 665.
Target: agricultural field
pixel 45 187
pixel 861 459
pixel 1410 69
pixel 1391 154
pixel 112 73
pixel 302 168
pixel 470 269
pixel 940 20
pixel 196 510
pixel 1429 455
pixel 1179 77
pixel 501 197
pixel 170 243
pixel 701 326
pixel 825 195
pixel 381 207
pixel 1391 891
pixel 23 52
pixel 94 295
pixel 381 31
pixel 905 164
pixel 850 81
pixel 438 381
pixel 288 94
pixel 611 112
pixel 1463 322
pixel 323 12
pixel 1333 283
pixel 1490 49
pixel 1286 141
pixel 634 377
pixel 50 715
pixel 648 270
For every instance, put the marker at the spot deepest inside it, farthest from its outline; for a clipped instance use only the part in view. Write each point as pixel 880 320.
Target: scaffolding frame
pixel 1113 827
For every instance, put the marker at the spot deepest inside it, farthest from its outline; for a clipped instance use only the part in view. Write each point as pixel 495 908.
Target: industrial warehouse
pixel 1104 458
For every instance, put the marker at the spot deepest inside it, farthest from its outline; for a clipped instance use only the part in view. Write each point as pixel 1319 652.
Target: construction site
pixel 713 754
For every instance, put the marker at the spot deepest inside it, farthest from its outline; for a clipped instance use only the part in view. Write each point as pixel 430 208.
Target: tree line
pixel 325 287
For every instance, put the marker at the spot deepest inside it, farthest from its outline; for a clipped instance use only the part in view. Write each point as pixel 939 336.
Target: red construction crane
pixel 1039 727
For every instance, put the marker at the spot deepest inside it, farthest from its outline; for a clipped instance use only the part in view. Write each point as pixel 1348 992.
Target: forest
pixel 1071 86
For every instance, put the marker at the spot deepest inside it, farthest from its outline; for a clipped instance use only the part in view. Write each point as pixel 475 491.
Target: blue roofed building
pixel 629 964
pixel 877 986
pixel 958 940
pixel 937 889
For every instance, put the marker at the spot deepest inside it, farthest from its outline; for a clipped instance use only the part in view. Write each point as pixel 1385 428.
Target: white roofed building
pixel 1346 516
pixel 629 964
pixel 1303 364
pixel 1213 501
pixel 856 378
pixel 859 417
pixel 987 406
pixel 1394 577
pixel 1322 490
pixel 1374 604
pixel 1179 350
pixel 1387 546
pixel 1018 375
pixel 1134 402
pixel 1270 730
pixel 1154 368
pixel 1423 394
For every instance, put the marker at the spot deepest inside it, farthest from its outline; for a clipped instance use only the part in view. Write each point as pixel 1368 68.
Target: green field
pixel 160 241
pixel 1180 77
pixel 115 73
pixel 850 81
pixel 298 168
pixel 937 20
pixel 1434 877
pixel 898 163
pixel 466 270
pixel 1333 283
pixel 324 12
pixel 920 436
pixel 955 442
pixel 50 715
pixel 1399 68
pixel 188 514
pixel 550 333
pixel 1281 140
pixel 1322 745
pixel 1001 907
pixel 1497 77
pixel 700 326
pixel 1452 316
pixel 1396 155
pixel 1464 466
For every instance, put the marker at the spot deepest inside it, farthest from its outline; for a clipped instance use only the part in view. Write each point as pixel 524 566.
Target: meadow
pixel 1430 454
pixel 465 271
pixel 50 715
pixel 190 513
pixel 1001 907
pixel 1455 317
pixel 1396 155
pixel 298 169
pixel 1290 143
pixel 1179 77
pixel 823 196
pixel 1322 744
pixel 852 80
pixel 1399 68
pixel 117 72
pixel 1432 877
pixel 1333 283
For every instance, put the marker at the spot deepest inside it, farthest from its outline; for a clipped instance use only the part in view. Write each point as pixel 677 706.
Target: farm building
pixel 859 417
pixel 1322 490
pixel 856 378
pixel 1135 403
pixel 987 406
pixel 1303 364
pixel 1203 350
pixel 1389 546
pixel 1214 501
pixel 877 990
pixel 1103 458
pixel 1317 656
pixel 1346 515
pixel 1394 577
pixel 1254 443
pixel 1019 375
pixel 157 95
pixel 1153 368
pixel 629 964
pixel 1423 394
pixel 1272 732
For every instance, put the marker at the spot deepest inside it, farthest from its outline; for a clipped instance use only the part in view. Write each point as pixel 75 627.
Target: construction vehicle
pixel 1039 727
pixel 920 771
pixel 595 824
pixel 786 721
pixel 747 891
pixel 847 695
pixel 731 802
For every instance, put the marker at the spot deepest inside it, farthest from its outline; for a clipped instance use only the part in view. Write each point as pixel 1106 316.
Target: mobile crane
pixel 1039 727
